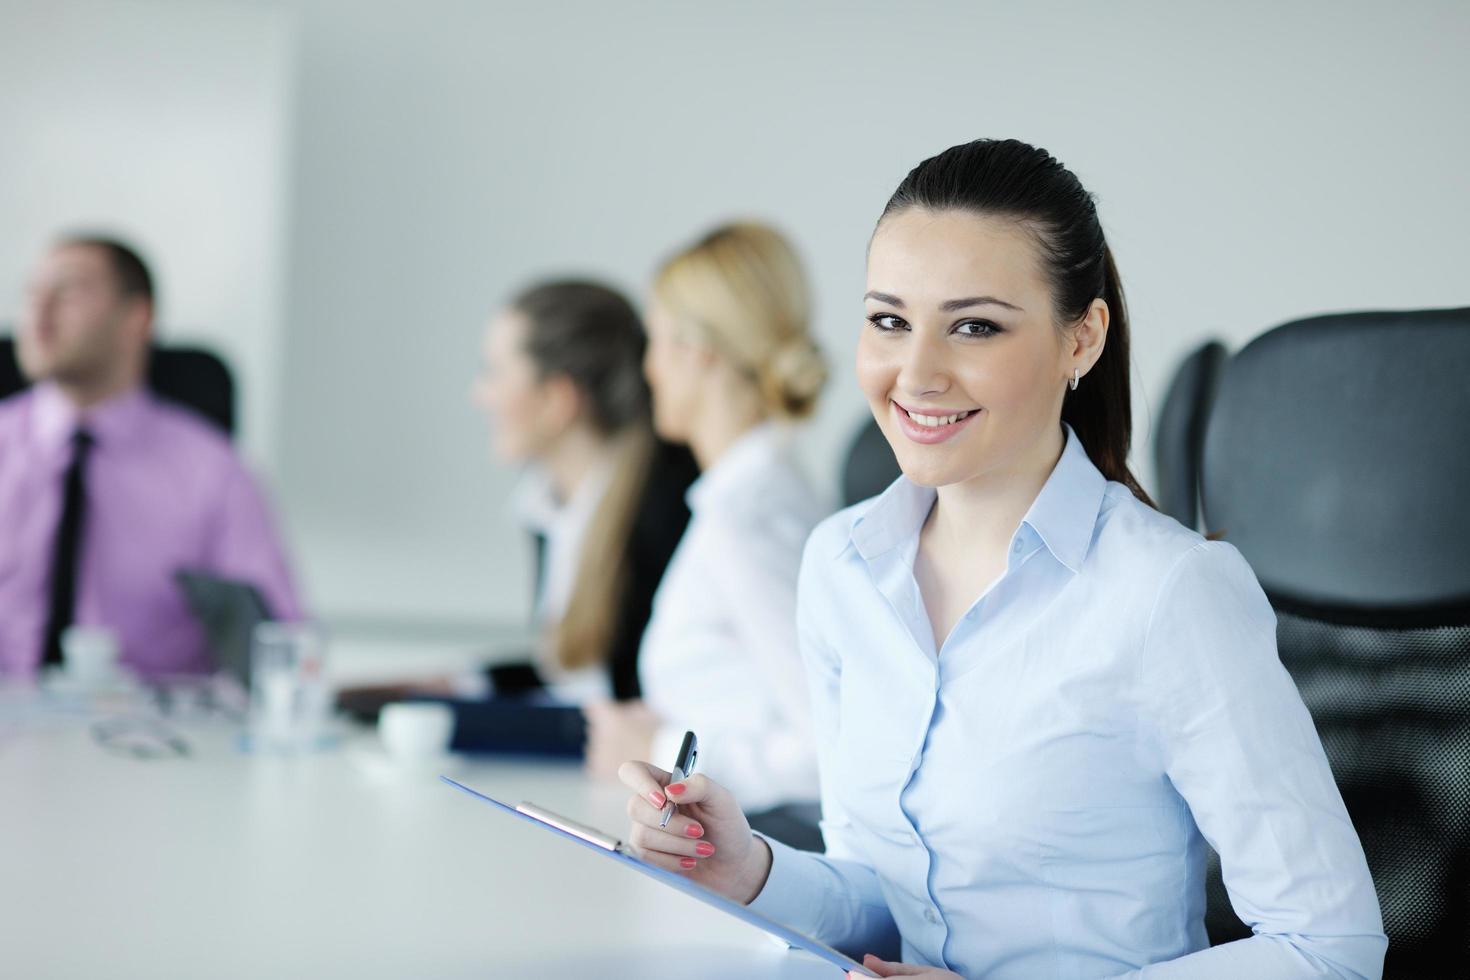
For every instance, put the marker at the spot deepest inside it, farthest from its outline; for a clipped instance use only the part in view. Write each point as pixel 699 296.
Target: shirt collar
pixel 113 421
pixel 536 505
pixel 748 456
pixel 1063 515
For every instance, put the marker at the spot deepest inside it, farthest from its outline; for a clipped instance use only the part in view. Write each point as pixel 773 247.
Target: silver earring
pixel 1076 379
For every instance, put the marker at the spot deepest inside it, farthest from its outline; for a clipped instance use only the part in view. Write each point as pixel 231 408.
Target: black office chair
pixel 1179 438
pixel 870 466
pixel 1337 459
pixel 190 376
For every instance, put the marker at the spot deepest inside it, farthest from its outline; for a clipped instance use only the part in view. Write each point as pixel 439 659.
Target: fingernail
pixel 675 789
pixel 704 849
pixel 687 863
pixel 694 830
pixel 657 798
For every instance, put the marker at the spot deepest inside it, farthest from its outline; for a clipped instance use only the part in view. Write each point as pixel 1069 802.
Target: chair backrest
pixel 1179 437
pixel 191 376
pixel 1337 459
pixel 870 466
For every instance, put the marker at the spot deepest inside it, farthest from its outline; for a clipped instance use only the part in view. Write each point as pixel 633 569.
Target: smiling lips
pixel 927 428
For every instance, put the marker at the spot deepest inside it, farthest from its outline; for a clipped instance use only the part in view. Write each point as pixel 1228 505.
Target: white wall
pixel 165 122
pixel 1254 163
pixel 339 191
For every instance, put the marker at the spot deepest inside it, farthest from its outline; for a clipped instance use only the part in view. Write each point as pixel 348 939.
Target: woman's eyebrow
pixel 951 305
pixel 948 306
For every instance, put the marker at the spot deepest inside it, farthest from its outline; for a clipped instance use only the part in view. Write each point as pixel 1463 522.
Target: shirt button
pixel 1017 546
pixel 932 916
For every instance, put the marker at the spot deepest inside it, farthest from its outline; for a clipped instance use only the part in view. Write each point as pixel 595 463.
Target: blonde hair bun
pixel 794 377
pixel 741 289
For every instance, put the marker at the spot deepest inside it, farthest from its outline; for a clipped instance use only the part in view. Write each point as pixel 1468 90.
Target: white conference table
pixel 222 864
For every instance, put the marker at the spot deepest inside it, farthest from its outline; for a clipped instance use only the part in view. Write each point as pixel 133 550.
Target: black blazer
pixel 658 524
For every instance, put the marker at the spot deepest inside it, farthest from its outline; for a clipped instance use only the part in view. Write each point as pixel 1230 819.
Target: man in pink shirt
pixel 105 490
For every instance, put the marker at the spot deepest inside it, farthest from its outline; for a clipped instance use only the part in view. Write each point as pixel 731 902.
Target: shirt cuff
pixel 791 894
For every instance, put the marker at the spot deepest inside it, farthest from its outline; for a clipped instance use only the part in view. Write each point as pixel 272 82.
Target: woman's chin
pixel 668 431
pixel 928 472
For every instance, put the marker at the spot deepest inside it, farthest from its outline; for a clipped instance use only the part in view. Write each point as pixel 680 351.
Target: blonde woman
pixel 729 361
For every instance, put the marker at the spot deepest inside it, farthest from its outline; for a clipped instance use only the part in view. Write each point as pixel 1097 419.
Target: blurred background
pixel 335 195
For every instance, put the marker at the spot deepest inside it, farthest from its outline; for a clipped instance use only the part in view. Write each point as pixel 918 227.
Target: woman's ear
pixel 1088 338
pixel 561 402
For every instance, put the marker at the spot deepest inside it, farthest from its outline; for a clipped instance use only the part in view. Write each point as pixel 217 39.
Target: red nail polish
pixel 657 798
pixel 694 830
pixel 704 849
pixel 687 863
pixel 675 789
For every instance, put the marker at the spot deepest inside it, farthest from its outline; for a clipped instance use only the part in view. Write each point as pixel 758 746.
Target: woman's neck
pixel 578 454
pixel 985 510
pixel 728 413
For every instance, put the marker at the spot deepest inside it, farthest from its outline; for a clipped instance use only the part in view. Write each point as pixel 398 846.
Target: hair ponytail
pixel 1100 410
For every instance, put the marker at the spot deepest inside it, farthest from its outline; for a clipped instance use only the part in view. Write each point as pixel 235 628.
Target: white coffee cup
pixel 89 653
pixel 416 732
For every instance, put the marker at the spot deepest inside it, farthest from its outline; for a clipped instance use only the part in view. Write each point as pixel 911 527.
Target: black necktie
pixel 538 542
pixel 62 606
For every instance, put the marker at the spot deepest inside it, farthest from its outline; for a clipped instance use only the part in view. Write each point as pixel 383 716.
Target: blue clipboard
pixel 607 847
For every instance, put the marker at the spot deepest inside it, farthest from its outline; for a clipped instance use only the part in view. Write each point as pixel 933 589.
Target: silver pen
pixel 683 769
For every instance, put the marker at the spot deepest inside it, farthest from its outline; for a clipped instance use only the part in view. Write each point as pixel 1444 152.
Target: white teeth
pixel 934 421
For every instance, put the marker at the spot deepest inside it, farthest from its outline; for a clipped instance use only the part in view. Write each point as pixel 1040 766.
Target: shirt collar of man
pixel 55 418
pixel 1063 515
pixel 728 481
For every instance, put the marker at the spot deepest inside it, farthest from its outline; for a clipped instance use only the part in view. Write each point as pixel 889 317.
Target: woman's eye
pixel 976 328
pixel 887 322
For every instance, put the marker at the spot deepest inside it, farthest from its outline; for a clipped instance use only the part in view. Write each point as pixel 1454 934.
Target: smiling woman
pixel 1035 696
pixel 1016 293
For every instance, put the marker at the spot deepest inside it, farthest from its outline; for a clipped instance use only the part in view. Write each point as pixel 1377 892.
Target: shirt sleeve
pixel 834 897
pixel 246 545
pixel 1241 749
pixel 766 747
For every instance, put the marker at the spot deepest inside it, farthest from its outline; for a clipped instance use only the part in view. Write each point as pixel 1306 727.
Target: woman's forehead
pixel 929 257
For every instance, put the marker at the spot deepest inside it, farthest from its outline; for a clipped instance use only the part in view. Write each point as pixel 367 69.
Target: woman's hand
pixel 707 838
pixel 617 731
pixel 886 969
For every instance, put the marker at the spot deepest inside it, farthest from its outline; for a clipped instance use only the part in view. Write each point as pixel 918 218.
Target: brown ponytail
pixel 1100 411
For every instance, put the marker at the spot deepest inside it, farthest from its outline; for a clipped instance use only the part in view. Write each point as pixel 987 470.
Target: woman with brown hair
pixel 1038 701
pixel 562 387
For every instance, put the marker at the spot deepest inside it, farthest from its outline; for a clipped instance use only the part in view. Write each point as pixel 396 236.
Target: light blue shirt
pixel 1033 800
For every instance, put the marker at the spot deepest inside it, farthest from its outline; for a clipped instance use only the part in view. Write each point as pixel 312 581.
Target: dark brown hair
pixel 129 270
pixel 591 334
pixel 1014 180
